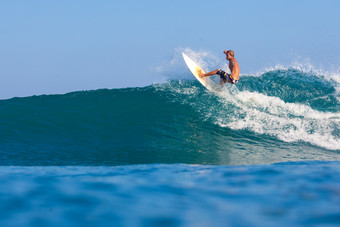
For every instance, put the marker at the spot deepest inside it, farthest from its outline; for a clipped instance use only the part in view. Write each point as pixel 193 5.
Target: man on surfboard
pixel 225 77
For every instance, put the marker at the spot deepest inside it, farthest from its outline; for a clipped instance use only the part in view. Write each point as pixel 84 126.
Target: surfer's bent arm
pixel 207 74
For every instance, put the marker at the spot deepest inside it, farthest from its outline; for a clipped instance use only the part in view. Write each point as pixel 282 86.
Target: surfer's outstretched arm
pixel 207 74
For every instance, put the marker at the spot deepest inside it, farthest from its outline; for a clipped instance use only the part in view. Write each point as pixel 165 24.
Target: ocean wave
pixel 291 105
pixel 177 122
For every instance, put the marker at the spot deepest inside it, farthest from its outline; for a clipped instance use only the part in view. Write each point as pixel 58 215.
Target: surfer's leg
pixel 223 76
pixel 221 82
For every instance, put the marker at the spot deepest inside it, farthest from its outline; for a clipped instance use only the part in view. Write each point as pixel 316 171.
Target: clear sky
pixel 49 47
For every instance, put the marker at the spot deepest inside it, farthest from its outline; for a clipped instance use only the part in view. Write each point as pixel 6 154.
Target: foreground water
pixel 92 158
pixel 287 194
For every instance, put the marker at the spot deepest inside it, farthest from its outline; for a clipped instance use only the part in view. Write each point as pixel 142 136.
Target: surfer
pixel 226 77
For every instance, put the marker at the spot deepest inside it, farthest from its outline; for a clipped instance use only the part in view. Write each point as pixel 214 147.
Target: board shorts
pixel 226 77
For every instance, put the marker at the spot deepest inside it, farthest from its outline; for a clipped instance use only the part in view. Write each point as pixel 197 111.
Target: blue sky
pixel 49 47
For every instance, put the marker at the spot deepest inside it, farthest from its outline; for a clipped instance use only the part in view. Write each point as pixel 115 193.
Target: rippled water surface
pixel 286 194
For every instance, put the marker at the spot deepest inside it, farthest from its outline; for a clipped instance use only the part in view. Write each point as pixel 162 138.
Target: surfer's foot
pixel 200 73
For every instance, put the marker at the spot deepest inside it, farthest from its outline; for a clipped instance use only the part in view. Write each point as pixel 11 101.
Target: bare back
pixel 234 68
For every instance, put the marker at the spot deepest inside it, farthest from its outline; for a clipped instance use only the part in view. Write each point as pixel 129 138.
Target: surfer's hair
pixel 231 52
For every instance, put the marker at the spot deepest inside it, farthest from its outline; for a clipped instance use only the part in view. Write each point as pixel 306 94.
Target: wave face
pixel 282 115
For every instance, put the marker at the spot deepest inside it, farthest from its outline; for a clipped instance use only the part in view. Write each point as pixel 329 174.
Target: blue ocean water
pixel 174 154
pixel 294 194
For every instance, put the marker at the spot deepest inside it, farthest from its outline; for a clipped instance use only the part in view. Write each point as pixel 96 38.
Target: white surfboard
pixel 194 68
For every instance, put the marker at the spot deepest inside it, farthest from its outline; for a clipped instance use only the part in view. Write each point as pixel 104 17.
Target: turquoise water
pixel 283 115
pixel 174 154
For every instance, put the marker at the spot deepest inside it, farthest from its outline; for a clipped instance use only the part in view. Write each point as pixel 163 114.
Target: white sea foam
pixel 290 122
pixel 259 113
